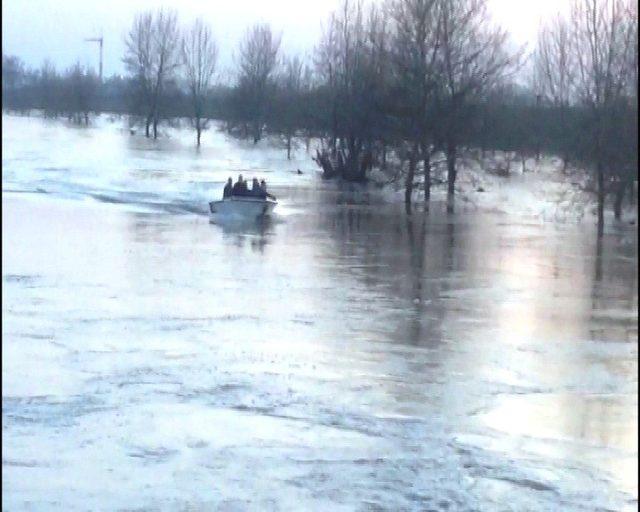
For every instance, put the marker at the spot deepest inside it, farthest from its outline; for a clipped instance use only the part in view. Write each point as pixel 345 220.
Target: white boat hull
pixel 242 207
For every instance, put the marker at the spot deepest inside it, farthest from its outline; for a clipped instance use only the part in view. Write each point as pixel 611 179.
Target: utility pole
pixel 98 40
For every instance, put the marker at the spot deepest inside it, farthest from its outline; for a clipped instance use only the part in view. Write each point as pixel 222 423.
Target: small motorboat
pixel 242 206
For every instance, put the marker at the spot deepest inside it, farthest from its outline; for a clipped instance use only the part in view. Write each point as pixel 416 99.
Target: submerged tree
pixel 257 61
pixel 13 73
pixel 167 57
pixel 602 39
pixel 416 32
pixel 81 87
pixel 200 55
pixel 625 163
pixel 152 57
pixel 472 59
pixel 138 61
pixel 351 65
pixel 292 83
pixel 555 75
pixel 49 90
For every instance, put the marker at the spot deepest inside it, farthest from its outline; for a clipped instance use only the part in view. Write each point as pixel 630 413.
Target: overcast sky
pixel 37 29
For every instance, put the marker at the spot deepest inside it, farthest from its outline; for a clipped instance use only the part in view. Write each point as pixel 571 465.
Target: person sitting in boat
pixel 263 187
pixel 240 187
pixel 228 188
pixel 256 189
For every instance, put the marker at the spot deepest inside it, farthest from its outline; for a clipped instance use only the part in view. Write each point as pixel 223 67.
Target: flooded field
pixel 336 357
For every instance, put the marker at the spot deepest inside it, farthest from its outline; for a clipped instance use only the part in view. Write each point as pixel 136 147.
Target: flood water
pixel 337 357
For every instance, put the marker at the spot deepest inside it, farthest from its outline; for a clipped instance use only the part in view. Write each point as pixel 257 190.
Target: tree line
pixel 399 87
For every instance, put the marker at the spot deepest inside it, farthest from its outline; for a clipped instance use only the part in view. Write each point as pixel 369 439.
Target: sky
pixel 56 29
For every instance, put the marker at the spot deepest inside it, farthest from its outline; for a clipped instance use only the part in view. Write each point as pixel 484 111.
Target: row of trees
pixel 158 55
pixel 407 75
pixel 586 66
pixel 389 87
pixel 71 93
pixel 56 94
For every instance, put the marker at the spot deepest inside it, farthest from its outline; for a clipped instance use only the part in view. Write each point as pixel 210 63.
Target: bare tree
pixel 13 72
pixel 631 64
pixel 152 57
pixel 167 57
pixel 293 82
pixel 81 86
pixel 326 60
pixel 625 167
pixel 49 89
pixel 416 31
pixel 602 40
pixel 138 61
pixel 257 61
pixel 554 71
pixel 351 64
pixel 379 77
pixel 471 58
pixel 199 55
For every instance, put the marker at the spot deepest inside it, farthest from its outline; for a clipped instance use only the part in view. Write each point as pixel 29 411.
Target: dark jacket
pixel 256 191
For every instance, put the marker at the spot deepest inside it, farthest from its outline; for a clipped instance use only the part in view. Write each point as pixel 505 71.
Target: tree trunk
pixel 451 175
pixel 426 158
pixel 323 159
pixel 147 125
pixel 155 126
pixel 384 155
pixel 256 132
pixel 601 195
pixel 288 147
pixel 617 204
pixel 408 190
pixel 198 131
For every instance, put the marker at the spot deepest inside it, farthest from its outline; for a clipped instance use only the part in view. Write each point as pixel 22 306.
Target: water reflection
pixel 614 288
pixel 598 261
pixel 417 256
pixel 410 258
pixel 505 288
pixel 238 230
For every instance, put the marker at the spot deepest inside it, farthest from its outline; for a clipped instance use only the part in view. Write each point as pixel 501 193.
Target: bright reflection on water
pixel 338 356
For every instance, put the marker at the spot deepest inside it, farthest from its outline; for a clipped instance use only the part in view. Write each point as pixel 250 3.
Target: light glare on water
pixel 338 356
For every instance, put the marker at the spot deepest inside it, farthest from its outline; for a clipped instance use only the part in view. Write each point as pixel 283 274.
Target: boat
pixel 242 206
